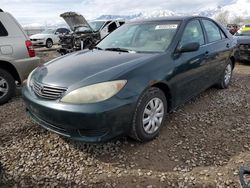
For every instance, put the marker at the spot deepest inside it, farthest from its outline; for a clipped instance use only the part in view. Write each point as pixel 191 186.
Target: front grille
pixel 33 39
pixel 48 92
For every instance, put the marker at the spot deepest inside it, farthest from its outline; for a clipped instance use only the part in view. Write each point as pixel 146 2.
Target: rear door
pixel 190 67
pixel 218 50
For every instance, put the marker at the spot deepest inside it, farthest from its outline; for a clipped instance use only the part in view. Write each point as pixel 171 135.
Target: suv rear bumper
pixel 25 66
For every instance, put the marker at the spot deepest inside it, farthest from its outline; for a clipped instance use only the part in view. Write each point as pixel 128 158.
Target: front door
pixel 190 67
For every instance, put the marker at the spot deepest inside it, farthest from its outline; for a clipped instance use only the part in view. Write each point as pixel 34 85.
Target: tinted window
pixel 213 31
pixel 3 31
pixel 112 27
pixel 193 33
pixel 121 23
pixel 62 30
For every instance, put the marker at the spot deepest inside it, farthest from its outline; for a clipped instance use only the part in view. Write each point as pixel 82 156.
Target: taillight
pixel 30 48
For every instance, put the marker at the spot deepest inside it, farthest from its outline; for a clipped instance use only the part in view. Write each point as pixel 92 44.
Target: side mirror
pixel 189 47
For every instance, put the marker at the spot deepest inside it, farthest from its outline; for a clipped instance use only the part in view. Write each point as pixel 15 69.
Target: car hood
pixel 75 20
pixel 88 67
pixel 243 39
pixel 39 36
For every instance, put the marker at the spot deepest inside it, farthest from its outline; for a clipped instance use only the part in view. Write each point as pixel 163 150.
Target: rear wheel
pixel 150 115
pixel 226 77
pixel 7 86
pixel 49 43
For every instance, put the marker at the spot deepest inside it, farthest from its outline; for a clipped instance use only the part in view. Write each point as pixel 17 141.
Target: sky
pixel 46 12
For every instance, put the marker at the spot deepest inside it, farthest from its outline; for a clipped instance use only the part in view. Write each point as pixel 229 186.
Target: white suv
pixel 17 56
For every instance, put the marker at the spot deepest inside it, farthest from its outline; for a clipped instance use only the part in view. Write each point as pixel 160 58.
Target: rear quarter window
pixel 3 31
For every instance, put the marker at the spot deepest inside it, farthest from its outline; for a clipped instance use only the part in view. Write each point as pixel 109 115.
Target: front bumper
pixel 37 42
pixel 97 122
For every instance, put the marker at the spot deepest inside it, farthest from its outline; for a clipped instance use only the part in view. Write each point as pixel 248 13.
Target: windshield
pixel 243 33
pixel 141 37
pixel 49 31
pixel 96 25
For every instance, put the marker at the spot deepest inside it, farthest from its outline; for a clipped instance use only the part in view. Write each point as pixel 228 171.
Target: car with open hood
pixel 85 34
pixel 131 80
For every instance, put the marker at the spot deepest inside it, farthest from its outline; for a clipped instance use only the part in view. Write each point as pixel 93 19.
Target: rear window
pixel 3 31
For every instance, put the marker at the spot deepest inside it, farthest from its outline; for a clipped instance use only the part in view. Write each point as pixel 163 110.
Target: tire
pixel 7 86
pixel 226 77
pixel 138 130
pixel 49 43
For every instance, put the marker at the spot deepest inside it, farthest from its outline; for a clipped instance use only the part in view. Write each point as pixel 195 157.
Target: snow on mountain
pixel 238 8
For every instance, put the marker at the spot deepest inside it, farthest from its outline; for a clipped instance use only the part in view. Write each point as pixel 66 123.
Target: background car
pixel 17 56
pixel 243 43
pixel 85 34
pixel 48 37
pixel 131 80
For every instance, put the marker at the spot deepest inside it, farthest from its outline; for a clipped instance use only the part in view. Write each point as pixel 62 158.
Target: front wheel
pixel 7 86
pixel 49 43
pixel 150 115
pixel 226 77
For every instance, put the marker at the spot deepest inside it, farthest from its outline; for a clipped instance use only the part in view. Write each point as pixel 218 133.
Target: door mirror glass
pixel 189 47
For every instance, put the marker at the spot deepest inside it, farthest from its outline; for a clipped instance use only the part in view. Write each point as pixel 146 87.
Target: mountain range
pixel 238 8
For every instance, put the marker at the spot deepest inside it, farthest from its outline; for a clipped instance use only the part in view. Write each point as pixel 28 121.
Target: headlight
pixel 29 80
pixel 94 93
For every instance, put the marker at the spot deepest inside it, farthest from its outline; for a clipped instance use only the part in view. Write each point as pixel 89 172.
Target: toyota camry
pixel 131 80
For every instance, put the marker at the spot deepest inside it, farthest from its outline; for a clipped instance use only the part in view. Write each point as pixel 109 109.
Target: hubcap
pixel 228 74
pixel 3 87
pixel 50 44
pixel 153 115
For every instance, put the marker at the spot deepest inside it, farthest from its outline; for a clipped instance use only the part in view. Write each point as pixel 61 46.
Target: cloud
pixel 47 11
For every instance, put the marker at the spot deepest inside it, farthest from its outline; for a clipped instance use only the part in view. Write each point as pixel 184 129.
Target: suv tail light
pixel 30 48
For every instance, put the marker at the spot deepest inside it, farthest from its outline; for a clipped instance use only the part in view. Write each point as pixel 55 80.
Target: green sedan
pixel 131 80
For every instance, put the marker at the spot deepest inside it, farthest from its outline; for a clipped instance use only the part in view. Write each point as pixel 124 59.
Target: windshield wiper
pixel 120 50
pixel 96 47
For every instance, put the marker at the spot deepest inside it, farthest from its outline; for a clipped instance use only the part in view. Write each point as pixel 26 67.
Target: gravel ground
pixel 203 144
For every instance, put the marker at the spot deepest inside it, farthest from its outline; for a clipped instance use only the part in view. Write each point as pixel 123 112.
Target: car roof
pixel 168 18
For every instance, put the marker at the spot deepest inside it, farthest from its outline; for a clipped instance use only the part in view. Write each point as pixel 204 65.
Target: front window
pixel 49 31
pixel 141 37
pixel 193 33
pixel 96 25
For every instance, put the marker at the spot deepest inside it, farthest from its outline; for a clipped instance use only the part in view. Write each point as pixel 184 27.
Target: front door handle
pixel 228 45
